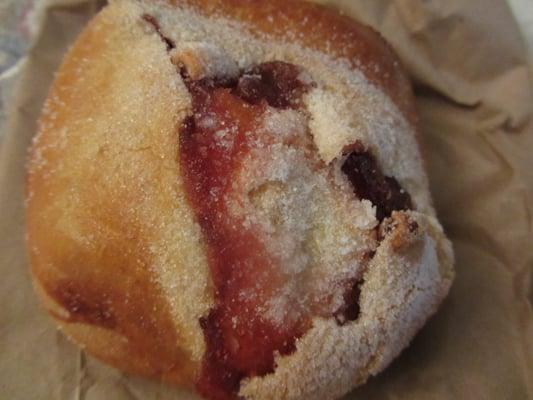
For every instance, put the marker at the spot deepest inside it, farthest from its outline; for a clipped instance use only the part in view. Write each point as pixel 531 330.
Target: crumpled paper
pixel 475 100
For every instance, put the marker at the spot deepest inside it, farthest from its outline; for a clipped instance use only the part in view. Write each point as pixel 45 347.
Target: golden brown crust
pixel 89 243
pixel 111 346
pixel 320 28
pixel 116 254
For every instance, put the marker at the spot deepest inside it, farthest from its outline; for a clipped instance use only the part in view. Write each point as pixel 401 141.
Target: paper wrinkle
pixel 419 17
pixel 475 100
pixel 438 33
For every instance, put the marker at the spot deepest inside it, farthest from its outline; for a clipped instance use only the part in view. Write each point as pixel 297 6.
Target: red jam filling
pixel 240 342
pixel 370 183
pixel 275 83
pixel 214 144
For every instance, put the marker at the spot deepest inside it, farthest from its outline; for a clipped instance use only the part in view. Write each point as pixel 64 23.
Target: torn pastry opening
pixel 288 236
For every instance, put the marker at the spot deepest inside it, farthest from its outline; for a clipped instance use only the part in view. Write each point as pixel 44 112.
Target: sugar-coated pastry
pixel 230 195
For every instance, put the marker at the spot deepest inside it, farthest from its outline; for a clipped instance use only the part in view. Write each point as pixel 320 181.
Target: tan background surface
pixel 474 93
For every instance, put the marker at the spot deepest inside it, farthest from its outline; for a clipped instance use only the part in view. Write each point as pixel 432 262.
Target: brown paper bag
pixel 475 102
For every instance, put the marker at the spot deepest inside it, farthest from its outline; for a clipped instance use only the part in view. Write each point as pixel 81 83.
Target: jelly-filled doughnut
pixel 230 196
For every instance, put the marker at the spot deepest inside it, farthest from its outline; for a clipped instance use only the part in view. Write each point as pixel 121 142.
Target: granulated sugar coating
pixel 231 195
pixel 249 164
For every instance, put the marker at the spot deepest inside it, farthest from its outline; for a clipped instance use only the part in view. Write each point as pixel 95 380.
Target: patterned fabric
pixel 15 37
